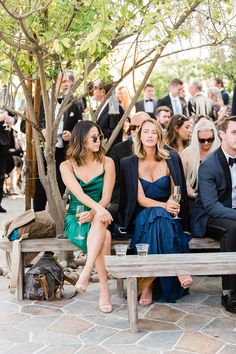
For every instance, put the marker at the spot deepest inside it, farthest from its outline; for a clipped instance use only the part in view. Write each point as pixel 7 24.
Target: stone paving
pixel 195 324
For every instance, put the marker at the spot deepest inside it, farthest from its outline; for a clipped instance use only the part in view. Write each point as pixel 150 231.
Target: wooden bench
pixel 57 244
pixel 196 244
pixel 133 267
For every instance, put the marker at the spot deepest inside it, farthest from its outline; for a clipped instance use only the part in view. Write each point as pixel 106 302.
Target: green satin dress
pixel 71 226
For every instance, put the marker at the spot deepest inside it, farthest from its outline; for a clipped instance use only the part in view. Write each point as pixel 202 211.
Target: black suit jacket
pixel 225 97
pixel 129 189
pixel 70 117
pixel 139 107
pixel 214 192
pixel 166 101
pixel 108 122
pixel 118 152
pixel 5 135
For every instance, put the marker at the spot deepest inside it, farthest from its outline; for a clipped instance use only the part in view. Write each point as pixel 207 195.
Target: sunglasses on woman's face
pixel 95 138
pixel 209 140
pixel 134 127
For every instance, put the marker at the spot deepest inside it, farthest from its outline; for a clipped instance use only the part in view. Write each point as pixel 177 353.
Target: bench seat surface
pixel 133 266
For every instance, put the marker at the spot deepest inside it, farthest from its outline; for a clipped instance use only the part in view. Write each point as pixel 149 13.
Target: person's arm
pixel 109 182
pixel 73 185
pixel 209 194
pixel 146 202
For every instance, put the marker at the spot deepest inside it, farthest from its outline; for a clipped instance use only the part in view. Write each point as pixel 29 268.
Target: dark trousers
pixel 40 199
pixel 224 230
pixel 4 151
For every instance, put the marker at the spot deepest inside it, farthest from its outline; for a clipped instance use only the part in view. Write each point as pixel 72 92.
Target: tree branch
pixel 31 12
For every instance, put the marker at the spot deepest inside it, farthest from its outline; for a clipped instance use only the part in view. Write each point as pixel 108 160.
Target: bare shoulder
pixel 66 166
pixel 108 163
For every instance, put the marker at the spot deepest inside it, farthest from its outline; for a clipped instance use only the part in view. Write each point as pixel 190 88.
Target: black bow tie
pixel 149 100
pixel 232 161
pixel 60 99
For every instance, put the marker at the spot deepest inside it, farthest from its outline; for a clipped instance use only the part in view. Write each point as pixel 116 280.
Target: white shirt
pixel 233 178
pixel 176 105
pixel 148 106
pixel 103 107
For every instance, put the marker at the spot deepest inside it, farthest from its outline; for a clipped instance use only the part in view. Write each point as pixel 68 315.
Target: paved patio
pixel 195 324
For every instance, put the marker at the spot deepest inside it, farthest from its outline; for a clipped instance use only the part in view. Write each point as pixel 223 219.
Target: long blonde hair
pixel 161 152
pixel 192 152
pixel 126 97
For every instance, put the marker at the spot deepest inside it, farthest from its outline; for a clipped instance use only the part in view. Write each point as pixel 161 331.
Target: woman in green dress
pixel 90 178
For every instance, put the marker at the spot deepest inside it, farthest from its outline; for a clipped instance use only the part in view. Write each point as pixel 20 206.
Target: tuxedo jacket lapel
pixel 225 167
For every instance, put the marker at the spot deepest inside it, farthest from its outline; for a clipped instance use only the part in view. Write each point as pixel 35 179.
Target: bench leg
pixel 132 304
pixel 20 282
pixel 120 287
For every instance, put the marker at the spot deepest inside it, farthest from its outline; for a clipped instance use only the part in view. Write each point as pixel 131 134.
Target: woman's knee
pixel 96 221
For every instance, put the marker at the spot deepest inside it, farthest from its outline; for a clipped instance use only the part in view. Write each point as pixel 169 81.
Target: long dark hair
pixel 77 148
pixel 171 133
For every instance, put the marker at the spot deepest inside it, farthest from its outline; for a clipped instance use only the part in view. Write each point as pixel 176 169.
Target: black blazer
pixel 139 107
pixel 214 192
pixel 129 189
pixel 166 101
pixel 118 152
pixel 70 117
pixel 108 122
pixel 5 135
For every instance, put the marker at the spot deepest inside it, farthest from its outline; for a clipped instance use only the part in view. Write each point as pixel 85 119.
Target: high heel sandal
pixel 147 300
pixel 105 307
pixel 80 288
pixel 185 281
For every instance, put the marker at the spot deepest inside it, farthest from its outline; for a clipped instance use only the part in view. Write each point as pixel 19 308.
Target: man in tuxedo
pixel 173 100
pixel 220 85
pixel 214 211
pixel 117 152
pixel 5 142
pixel 106 121
pixel 199 104
pixel 148 104
pixel 67 123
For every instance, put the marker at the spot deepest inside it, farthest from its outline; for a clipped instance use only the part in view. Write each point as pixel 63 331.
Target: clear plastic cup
pixel 121 250
pixel 142 249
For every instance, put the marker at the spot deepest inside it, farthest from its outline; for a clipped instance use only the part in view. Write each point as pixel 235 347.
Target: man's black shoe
pixel 229 302
pixel 2 210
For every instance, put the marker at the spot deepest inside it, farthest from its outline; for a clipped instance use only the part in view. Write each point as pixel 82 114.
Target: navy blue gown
pixel 164 234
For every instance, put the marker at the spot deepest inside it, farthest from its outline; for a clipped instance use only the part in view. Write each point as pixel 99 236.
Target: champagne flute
pixel 177 197
pixel 79 210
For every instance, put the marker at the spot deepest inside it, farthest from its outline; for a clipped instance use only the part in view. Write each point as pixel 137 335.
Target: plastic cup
pixel 142 249
pixel 121 250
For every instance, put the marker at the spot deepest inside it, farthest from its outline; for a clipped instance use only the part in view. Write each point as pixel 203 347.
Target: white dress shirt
pixel 148 106
pixel 176 105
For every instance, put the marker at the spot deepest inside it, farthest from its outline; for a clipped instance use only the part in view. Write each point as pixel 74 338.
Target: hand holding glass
pixel 79 210
pixel 177 197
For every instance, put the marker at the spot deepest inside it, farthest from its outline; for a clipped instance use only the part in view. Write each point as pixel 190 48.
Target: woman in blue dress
pixel 147 178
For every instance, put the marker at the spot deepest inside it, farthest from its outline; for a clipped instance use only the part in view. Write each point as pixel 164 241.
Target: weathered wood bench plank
pixel 133 267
